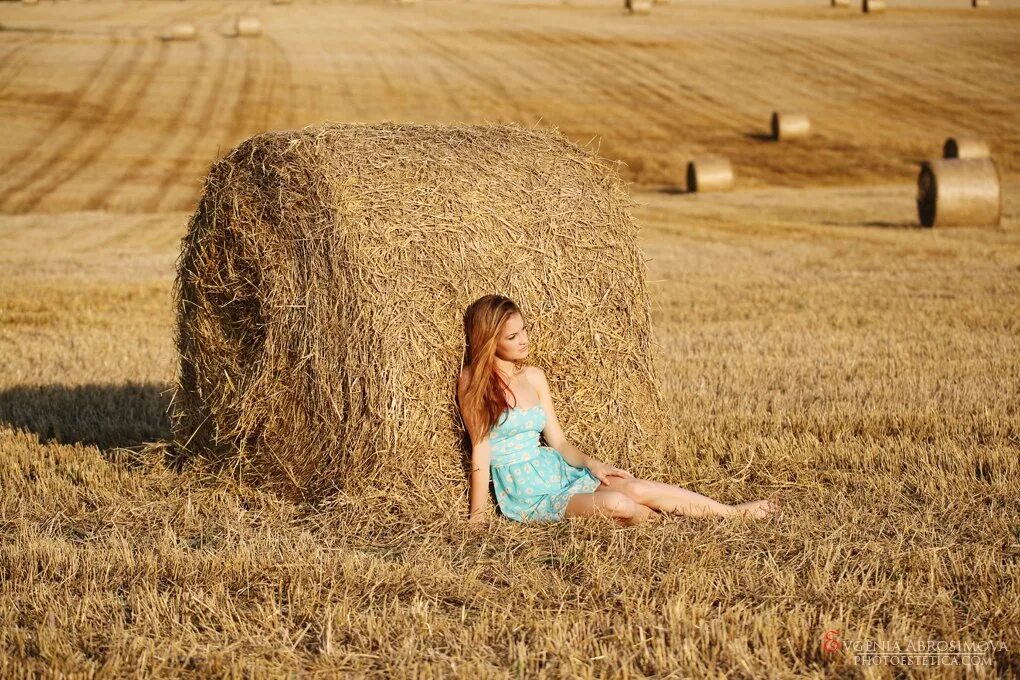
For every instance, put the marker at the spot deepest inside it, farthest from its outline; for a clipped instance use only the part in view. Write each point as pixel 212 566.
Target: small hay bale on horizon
pixel 957 192
pixel 638 6
pixel 321 289
pixel 709 173
pixel 980 3
pixel 789 125
pixel 179 31
pixel 872 6
pixel 248 26
pixel 965 146
pixel 839 3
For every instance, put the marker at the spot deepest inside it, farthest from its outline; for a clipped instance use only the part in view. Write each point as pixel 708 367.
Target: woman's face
pixel 513 340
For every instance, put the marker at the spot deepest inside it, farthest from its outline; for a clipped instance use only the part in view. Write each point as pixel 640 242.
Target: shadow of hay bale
pixel 106 416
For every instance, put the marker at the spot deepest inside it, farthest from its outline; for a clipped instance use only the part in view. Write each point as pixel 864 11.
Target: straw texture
pixel 709 173
pixel 965 147
pixel 789 125
pixel 322 284
pixel 959 192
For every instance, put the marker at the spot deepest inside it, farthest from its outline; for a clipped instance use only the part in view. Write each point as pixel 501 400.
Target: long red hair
pixel 483 401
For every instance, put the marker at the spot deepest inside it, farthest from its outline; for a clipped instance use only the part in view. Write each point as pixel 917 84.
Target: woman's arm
pixel 479 501
pixel 481 456
pixel 552 431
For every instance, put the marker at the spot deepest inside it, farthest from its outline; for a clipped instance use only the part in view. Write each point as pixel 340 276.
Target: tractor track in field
pixel 156 145
pixel 125 104
pixel 13 62
pixel 47 139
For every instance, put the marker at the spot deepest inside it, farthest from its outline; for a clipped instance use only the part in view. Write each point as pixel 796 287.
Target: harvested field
pixel 813 344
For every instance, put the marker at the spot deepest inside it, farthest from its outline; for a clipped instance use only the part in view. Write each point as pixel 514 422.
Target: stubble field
pixel 814 345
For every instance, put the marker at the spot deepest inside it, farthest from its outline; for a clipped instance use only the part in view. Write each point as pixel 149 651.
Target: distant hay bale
pixel 959 192
pixel 980 3
pixel 29 2
pixel 840 3
pixel 322 284
pixel 248 26
pixel 638 6
pixel 872 6
pixel 789 125
pixel 709 173
pixel 965 147
pixel 180 31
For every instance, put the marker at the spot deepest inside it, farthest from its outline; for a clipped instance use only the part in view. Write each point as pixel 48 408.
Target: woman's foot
pixel 756 509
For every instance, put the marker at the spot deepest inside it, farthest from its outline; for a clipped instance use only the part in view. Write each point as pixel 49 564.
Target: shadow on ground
pixel 107 416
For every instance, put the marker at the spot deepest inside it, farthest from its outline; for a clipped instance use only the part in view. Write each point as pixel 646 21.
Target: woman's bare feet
pixel 755 509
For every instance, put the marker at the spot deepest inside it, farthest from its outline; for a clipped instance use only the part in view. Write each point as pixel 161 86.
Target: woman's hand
pixel 477 522
pixel 604 471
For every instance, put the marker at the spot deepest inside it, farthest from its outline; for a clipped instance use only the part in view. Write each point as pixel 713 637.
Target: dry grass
pixel 815 345
pixel 864 374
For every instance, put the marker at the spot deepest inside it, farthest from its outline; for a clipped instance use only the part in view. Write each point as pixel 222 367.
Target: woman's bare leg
pixel 615 504
pixel 676 500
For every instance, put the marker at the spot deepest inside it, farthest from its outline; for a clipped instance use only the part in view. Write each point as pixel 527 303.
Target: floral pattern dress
pixel 532 482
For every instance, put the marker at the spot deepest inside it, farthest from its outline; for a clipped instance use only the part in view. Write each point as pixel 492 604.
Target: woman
pixel 505 404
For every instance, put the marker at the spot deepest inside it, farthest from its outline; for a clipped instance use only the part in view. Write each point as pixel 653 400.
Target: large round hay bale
pixel 965 147
pixel 638 6
pixel 789 125
pixel 872 6
pixel 953 192
pixel 180 31
pixel 248 26
pixel 321 290
pixel 839 3
pixel 709 173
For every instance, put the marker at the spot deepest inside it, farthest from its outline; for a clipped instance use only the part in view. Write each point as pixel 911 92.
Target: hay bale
pixel 789 125
pixel 638 6
pixel 248 26
pixel 965 147
pixel 959 192
pixel 29 2
pixel 872 6
pixel 180 31
pixel 321 290
pixel 980 3
pixel 709 173
pixel 840 3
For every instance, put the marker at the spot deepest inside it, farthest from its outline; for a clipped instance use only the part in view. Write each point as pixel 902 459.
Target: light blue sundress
pixel 532 482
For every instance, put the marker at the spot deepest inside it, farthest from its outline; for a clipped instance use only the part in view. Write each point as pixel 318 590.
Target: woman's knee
pixel 617 504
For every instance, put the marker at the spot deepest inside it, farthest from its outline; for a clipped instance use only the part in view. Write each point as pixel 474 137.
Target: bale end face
pixel 872 6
